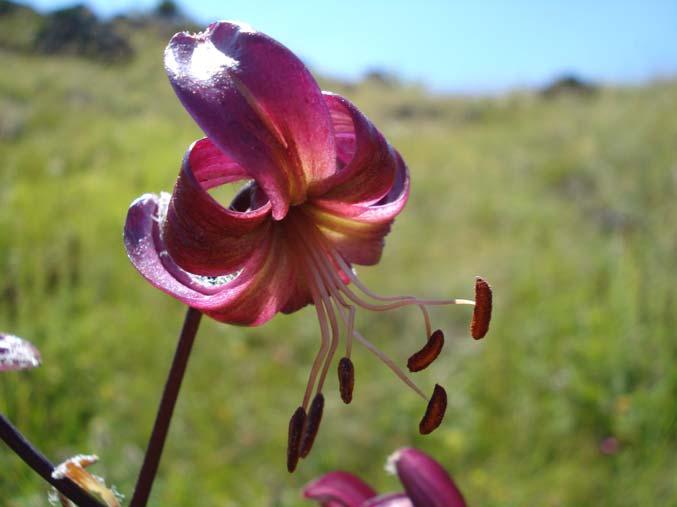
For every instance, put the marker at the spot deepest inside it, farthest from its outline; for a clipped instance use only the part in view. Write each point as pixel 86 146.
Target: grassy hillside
pixel 567 205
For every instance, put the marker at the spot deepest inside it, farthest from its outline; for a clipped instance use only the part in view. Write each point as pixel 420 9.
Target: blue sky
pixel 484 46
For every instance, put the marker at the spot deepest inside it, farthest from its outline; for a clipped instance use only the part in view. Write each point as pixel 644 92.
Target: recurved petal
pixel 366 164
pixel 259 104
pixel 267 286
pixel 201 235
pixel 358 231
pixel 250 296
pixel 425 481
pixel 339 489
pixel 389 500
pixel 211 166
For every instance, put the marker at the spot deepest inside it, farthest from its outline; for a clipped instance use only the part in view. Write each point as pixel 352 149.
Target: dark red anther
pixel 434 414
pixel 424 357
pixel 346 375
pixel 312 425
pixel 296 424
pixel 481 316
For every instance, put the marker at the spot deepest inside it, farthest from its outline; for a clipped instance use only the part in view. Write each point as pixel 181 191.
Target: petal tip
pixel 425 480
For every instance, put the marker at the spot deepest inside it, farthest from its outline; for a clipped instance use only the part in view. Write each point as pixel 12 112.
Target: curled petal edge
pixel 250 297
pixel 200 234
pixel 367 165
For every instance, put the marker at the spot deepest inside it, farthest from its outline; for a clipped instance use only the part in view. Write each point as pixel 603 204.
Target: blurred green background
pixel 565 201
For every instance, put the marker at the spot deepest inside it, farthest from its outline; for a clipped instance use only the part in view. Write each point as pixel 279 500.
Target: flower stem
pixel 164 415
pixel 41 465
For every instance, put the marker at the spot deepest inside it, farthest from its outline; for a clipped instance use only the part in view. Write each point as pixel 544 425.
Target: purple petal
pixel 201 235
pixel 17 354
pixel 259 104
pixel 339 489
pixel 250 297
pixel 358 231
pixel 426 483
pixel 212 167
pixel 389 500
pixel 367 164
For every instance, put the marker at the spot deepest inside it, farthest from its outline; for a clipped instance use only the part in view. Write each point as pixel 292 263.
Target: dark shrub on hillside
pixel 410 111
pixel 569 85
pixel 381 78
pixel 167 9
pixel 76 30
pixel 169 18
pixel 6 7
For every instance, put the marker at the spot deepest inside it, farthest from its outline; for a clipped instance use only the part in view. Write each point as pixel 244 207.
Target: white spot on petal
pixel 391 462
pixel 207 61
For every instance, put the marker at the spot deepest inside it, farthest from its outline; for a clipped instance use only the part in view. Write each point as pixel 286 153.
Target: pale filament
pixel 321 316
pixel 349 330
pixel 426 319
pixel 326 300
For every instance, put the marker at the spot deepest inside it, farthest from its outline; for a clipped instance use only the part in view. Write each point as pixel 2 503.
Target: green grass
pixel 567 206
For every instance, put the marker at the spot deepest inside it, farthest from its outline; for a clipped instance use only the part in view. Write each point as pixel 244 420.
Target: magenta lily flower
pixel 322 187
pixel 426 484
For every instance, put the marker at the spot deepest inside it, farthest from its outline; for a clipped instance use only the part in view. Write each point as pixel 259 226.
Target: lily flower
pixel 426 484
pixel 321 188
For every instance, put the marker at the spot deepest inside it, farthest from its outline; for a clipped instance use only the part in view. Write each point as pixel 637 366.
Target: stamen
pixel 296 424
pixel 424 357
pixel 312 425
pixel 346 375
pixel 482 314
pixel 434 414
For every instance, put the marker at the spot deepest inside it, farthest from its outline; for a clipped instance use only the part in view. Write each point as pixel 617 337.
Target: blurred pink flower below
pixel 426 484
pixel 609 446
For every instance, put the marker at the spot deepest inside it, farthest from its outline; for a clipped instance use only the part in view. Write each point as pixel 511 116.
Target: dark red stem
pixel 164 415
pixel 34 459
